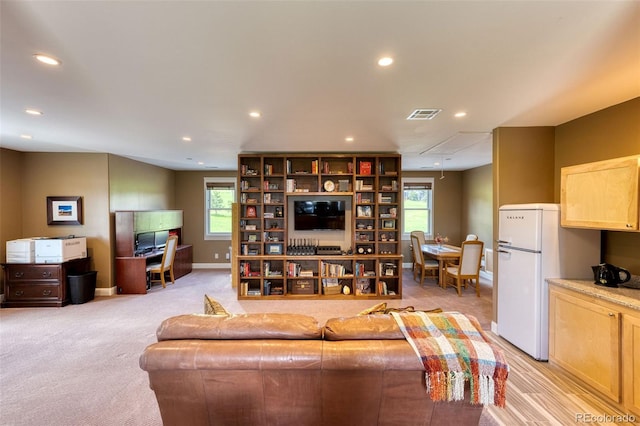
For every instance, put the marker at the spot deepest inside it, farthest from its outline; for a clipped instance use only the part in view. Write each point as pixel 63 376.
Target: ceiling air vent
pixel 424 114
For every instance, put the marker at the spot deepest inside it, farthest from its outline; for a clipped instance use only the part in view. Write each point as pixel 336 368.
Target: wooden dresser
pixel 40 284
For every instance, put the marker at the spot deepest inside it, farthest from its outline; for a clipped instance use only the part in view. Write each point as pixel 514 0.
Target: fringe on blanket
pixel 449 386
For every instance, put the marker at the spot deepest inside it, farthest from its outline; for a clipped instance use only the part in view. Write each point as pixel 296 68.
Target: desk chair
pixel 468 269
pixel 420 264
pixel 166 265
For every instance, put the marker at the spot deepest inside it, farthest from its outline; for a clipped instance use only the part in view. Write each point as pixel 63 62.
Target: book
pixel 365 167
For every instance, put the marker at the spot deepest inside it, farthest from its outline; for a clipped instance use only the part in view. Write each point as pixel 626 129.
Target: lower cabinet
pixel 597 342
pixel 631 362
pixel 40 284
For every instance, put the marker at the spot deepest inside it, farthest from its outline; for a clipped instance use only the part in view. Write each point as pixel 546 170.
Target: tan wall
pixel 477 204
pixel 523 165
pixel 610 133
pixel 70 174
pixel 190 198
pixel 10 200
pixel 139 186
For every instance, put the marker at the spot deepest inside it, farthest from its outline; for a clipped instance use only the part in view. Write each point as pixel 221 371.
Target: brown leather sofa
pixel 285 369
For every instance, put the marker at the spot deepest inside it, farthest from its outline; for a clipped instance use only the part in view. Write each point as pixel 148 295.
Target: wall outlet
pixel 215 255
pixel 227 256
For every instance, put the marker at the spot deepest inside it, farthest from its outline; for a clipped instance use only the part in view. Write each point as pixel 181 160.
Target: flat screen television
pixel 318 215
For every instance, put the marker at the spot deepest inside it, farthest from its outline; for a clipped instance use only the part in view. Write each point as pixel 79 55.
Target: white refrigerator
pixel 532 246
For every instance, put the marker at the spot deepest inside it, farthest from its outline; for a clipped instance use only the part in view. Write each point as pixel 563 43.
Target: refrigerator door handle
pixel 508 243
pixel 503 251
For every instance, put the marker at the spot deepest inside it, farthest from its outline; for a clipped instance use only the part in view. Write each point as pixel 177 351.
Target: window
pixel 417 206
pixel 220 194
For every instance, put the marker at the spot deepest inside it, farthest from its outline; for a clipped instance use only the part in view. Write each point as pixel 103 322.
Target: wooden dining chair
pixel 168 257
pixel 420 265
pixel 471 237
pixel 468 268
pixel 422 239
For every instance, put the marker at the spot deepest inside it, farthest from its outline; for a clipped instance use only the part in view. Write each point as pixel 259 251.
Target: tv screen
pixel 318 215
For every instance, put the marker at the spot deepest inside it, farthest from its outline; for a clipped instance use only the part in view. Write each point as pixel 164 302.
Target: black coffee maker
pixel 609 275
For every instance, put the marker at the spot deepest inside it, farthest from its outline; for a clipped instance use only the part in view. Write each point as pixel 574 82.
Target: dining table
pixel 442 253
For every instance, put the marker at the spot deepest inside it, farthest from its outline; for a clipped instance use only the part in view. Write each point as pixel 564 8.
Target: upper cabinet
pixel 601 195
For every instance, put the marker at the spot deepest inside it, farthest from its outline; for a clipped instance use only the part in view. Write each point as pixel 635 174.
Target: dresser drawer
pixel 24 291
pixel 39 272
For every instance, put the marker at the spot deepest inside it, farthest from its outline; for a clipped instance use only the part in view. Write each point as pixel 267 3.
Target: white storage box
pixel 61 249
pixel 21 251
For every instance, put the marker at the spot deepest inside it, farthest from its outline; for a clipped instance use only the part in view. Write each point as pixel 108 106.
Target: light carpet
pixel 78 365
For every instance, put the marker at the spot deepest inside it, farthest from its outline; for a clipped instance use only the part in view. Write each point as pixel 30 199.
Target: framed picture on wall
pixel 64 210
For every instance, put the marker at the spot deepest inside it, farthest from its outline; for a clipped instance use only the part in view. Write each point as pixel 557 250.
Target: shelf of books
pixel 320 276
pixel 271 266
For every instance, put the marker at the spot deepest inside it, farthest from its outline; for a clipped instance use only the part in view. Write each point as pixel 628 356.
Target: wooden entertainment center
pixel 352 251
pixel 131 261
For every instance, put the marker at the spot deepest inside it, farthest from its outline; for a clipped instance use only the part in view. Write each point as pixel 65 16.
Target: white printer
pixel 60 249
pixel 22 250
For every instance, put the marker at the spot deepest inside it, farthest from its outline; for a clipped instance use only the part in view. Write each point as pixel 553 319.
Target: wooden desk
pixel 442 254
pixel 131 271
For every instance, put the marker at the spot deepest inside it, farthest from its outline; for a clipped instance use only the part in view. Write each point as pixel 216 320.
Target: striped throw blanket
pixel 453 350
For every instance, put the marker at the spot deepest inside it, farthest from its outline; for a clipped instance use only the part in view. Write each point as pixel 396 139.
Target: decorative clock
pixel 329 186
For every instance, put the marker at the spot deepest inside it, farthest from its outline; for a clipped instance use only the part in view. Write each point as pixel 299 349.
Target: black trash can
pixel 82 287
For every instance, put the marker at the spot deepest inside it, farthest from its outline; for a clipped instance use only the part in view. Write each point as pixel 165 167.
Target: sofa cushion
pixel 239 327
pixel 363 327
pixel 377 324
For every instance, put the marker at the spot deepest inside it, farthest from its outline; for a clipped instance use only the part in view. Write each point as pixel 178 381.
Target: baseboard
pixel 211 266
pixel 109 291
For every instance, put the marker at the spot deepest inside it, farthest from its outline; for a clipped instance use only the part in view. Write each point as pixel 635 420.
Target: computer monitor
pixel 161 239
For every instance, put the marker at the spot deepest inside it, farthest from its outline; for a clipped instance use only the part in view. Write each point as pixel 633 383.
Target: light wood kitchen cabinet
pixel 601 195
pixel 631 362
pixel 598 342
pixel 584 339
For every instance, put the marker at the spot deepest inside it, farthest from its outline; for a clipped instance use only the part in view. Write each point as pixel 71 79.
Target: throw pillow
pixel 375 309
pixel 213 307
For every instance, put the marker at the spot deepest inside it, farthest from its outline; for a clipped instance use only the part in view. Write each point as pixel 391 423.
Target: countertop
pixel 624 296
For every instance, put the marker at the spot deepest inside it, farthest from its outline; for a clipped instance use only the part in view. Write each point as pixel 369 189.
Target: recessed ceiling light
pixel 200 163
pixel 349 139
pixel 254 114
pixel 460 114
pixel 186 138
pixel 31 111
pixel 26 136
pixel 385 61
pixel 437 163
pixel 46 59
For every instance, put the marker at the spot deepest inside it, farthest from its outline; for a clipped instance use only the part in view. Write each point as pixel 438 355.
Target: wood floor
pixel 539 393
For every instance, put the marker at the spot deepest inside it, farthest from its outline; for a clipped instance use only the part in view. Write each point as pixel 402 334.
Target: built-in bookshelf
pixel 274 264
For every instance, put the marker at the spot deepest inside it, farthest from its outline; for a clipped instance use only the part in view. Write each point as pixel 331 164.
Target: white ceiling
pixel 137 76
